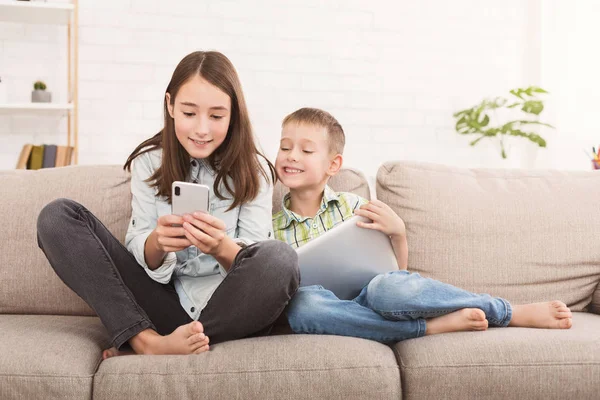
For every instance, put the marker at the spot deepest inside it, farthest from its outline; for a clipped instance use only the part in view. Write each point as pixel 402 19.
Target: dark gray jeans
pixel 96 266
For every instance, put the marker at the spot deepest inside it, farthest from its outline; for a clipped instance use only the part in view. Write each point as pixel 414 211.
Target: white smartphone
pixel 188 198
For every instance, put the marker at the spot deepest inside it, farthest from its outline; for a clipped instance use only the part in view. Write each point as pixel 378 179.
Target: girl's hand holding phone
pixel 205 231
pixel 169 237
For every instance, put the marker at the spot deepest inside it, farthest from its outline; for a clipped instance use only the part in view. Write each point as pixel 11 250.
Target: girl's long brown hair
pixel 236 157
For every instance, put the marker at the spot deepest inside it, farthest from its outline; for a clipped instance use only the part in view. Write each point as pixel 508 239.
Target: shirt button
pixel 194 163
pixel 193 309
pixel 315 225
pixel 195 181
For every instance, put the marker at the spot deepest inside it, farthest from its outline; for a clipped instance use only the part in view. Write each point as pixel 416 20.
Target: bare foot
pixel 113 352
pixel 550 315
pixel 186 339
pixel 466 319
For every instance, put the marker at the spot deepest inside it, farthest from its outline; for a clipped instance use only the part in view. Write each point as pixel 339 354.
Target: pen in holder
pixel 595 158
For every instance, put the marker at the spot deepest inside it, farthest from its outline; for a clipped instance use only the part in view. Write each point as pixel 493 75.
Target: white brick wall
pixel 392 72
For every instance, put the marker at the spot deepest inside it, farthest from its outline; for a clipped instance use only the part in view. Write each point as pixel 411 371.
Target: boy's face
pixel 304 160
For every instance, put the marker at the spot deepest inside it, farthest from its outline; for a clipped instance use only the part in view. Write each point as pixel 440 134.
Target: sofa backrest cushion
pixel 28 284
pixel 525 236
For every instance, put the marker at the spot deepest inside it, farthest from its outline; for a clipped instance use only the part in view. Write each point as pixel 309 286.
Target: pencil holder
pixel 596 164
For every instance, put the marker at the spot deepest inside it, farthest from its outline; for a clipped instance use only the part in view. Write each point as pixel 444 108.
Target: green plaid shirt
pixel 297 230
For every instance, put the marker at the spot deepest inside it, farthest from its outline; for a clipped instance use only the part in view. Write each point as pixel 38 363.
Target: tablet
pixel 346 258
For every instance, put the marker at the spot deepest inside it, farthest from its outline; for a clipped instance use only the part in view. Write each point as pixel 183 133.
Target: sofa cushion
pixel 28 283
pixel 505 363
pixel 347 180
pixel 49 357
pixel 522 235
pixel 276 367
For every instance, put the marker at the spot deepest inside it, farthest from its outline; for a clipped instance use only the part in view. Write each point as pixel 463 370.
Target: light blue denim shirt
pixel 196 275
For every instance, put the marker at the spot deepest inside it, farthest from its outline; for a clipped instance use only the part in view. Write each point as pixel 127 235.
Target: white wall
pixel 570 34
pixel 392 72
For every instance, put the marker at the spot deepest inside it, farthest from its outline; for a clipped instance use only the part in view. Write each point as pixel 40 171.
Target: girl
pixel 181 280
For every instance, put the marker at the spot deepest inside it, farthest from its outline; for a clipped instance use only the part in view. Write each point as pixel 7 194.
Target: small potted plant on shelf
pixel 39 94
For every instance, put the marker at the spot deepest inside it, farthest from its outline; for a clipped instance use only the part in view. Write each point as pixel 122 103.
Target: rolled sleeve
pixel 144 218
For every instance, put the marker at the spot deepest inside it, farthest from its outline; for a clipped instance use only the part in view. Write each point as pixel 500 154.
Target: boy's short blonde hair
pixel 320 118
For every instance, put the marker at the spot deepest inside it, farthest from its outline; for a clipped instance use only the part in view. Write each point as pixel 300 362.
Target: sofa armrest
pixel 595 305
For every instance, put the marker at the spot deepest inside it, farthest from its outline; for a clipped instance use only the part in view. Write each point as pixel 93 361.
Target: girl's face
pixel 201 114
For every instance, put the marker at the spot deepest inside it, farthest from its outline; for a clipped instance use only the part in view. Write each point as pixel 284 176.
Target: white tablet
pixel 346 258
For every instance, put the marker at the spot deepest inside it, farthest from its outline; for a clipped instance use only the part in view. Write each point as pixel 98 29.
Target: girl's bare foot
pixel 466 319
pixel 186 339
pixel 551 315
pixel 113 352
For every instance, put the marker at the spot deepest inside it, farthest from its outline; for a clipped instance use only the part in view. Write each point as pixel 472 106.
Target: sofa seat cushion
pixel 49 357
pixel 276 367
pixel 505 363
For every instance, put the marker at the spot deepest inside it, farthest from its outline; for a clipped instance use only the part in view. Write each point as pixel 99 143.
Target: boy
pixel 394 306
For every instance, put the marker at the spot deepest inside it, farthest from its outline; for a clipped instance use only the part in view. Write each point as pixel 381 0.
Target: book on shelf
pixel 49 159
pixel 61 156
pixel 64 154
pixel 44 156
pixel 24 156
pixel 37 157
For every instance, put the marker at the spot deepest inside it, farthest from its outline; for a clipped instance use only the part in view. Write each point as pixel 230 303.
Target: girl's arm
pixel 255 221
pixel 139 240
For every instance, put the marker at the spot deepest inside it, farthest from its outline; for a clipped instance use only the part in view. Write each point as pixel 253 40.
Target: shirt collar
pixel 328 196
pixel 202 162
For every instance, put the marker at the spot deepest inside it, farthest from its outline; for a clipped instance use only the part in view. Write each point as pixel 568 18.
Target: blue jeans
pixel 392 307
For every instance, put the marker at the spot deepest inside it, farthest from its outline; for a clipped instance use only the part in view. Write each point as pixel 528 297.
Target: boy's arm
pixel 400 246
pixel 387 221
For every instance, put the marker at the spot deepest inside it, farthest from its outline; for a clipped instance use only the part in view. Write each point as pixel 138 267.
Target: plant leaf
pixel 533 107
pixel 538 89
pixel 527 122
pixel 534 137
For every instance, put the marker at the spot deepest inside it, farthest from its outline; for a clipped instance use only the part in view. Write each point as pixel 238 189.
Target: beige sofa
pixel 526 236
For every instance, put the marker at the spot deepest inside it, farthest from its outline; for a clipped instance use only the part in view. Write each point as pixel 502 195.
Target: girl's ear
pixel 335 165
pixel 169 105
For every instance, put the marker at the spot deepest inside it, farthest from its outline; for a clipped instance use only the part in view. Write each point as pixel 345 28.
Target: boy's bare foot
pixel 466 319
pixel 186 339
pixel 551 315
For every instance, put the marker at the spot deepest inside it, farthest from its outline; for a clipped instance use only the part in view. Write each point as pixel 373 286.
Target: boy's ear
pixel 335 165
pixel 169 105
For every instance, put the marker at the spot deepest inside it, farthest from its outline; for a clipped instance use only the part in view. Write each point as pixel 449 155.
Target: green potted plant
pixel 39 94
pixel 478 119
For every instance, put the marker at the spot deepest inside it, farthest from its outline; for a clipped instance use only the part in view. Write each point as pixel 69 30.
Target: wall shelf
pixel 35 12
pixel 35 107
pixel 50 14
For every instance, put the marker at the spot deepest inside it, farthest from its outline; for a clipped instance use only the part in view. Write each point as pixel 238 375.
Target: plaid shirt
pixel 297 230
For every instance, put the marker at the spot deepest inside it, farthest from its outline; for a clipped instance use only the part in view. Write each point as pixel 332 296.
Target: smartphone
pixel 188 198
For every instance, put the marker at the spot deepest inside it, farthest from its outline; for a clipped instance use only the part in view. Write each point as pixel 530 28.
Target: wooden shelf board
pixel 35 12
